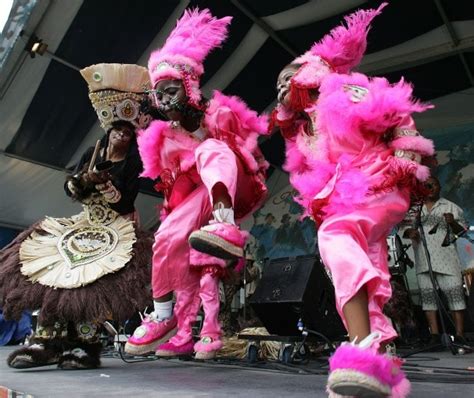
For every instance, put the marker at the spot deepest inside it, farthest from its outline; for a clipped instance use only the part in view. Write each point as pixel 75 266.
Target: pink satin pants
pixel 354 248
pixel 215 162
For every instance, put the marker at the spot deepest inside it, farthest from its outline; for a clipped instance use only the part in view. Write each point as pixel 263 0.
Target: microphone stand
pixel 403 261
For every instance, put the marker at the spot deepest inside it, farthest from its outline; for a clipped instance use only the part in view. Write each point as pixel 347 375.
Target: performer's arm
pixel 122 189
pixel 407 142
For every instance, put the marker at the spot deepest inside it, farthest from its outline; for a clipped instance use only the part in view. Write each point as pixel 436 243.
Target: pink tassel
pixel 418 144
pixel 148 141
pixel 199 259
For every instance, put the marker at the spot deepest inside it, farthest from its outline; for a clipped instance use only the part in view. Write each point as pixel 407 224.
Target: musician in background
pixel 442 221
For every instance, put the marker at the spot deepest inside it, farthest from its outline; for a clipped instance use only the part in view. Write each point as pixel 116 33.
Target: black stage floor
pixel 433 375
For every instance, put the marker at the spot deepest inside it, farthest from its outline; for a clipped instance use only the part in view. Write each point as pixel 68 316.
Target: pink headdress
pixel 338 51
pixel 182 56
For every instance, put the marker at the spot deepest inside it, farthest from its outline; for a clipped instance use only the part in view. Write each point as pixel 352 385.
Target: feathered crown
pixel 339 51
pixel 117 91
pixel 196 34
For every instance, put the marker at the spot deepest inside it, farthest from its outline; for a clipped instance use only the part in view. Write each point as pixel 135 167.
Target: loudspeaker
pixel 294 288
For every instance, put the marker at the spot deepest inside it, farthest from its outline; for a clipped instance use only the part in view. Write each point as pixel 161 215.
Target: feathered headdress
pixel 339 51
pixel 183 54
pixel 116 92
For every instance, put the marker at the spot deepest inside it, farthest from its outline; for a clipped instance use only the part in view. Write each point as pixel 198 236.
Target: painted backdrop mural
pixel 277 229
pixel 455 170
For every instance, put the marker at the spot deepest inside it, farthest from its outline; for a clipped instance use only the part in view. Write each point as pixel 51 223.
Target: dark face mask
pixel 170 97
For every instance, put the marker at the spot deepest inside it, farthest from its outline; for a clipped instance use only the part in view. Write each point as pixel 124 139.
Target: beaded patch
pixel 357 93
pixel 402 132
pixel 98 211
pixel 87 244
pixel 413 156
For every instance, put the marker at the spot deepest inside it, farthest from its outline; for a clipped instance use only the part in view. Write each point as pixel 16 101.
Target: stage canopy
pixel 47 121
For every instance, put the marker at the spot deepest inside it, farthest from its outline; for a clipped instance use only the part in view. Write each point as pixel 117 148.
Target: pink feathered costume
pixel 189 169
pixel 353 171
pixel 190 165
pixel 353 166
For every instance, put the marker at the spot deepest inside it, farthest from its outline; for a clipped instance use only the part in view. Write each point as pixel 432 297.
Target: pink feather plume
pixel 344 46
pixel 196 33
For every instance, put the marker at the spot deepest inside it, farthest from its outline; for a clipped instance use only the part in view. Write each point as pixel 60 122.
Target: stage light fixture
pixel 35 46
pixel 39 48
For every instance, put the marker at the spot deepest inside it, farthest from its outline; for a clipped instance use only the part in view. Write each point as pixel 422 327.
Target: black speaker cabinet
pixel 294 288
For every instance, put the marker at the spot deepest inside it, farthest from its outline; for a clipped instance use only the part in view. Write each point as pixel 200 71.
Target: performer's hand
pixel 90 177
pixel 73 186
pixel 412 234
pixel 449 217
pixel 102 187
pixel 95 177
pixel 109 192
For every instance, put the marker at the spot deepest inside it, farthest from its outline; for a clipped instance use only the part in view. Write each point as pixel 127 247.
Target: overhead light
pixel 35 46
pixel 39 48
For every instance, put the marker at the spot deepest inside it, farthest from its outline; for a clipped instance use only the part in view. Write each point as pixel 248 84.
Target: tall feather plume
pixel 344 46
pixel 195 35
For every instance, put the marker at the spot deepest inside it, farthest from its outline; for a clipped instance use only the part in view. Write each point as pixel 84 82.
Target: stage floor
pixel 180 378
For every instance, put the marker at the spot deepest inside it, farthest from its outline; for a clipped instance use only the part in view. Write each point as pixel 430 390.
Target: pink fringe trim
pixel 402 389
pixel 184 349
pixel 229 118
pixel 404 168
pixel 247 117
pixel 384 106
pixel 350 188
pixel 151 144
pixel 149 140
pixel 311 72
pixel 366 361
pixel 419 144
pixel 198 259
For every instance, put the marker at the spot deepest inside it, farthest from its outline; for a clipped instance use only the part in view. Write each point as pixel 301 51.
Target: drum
pixel 396 263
